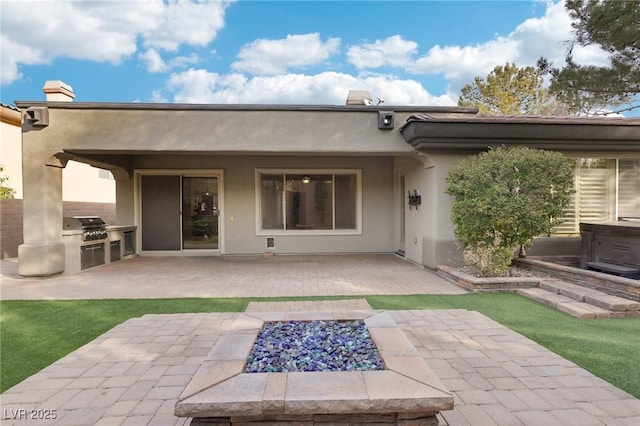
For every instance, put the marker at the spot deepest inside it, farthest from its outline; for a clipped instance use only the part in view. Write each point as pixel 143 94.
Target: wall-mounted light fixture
pixel 415 199
pixel 385 120
pixel 306 179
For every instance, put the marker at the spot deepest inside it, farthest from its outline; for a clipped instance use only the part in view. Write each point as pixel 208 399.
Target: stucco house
pixel 252 179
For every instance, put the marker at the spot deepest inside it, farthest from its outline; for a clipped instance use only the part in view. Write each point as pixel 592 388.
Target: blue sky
pixel 280 52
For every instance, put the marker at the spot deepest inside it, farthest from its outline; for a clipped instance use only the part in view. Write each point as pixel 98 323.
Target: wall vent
pixel 271 243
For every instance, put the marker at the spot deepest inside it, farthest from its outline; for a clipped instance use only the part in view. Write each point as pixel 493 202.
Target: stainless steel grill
pixel 92 227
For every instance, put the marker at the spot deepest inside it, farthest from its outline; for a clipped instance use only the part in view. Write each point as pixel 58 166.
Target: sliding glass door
pixel 180 212
pixel 200 213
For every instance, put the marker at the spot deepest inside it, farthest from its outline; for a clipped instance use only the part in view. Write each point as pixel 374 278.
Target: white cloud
pixel 534 38
pixel 393 51
pixel 546 36
pixel 186 22
pixel 8 66
pixel 456 61
pixel 152 30
pixel 157 97
pixel 154 63
pixel 102 31
pixel 183 61
pixel 278 56
pixel 327 88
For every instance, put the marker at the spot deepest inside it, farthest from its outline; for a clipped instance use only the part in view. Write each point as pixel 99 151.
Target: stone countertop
pixel 121 228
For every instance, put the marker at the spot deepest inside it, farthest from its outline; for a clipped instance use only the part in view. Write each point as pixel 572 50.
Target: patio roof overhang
pixel 426 133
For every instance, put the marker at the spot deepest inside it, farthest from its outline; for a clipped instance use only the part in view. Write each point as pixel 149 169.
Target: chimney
pixel 58 91
pixel 359 97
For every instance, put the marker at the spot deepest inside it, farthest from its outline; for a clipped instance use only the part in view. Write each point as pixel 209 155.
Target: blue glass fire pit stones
pixel 288 346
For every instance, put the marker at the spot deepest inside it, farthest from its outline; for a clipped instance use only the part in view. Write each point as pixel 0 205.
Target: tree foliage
pixel 614 25
pixel 509 90
pixel 5 191
pixel 507 196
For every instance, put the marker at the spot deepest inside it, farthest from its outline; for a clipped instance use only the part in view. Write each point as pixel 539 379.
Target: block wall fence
pixel 11 220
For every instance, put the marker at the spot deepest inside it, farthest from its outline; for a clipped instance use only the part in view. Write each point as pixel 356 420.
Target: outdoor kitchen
pixel 89 242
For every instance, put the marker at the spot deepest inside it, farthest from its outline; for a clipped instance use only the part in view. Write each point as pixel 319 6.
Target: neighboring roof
pixel 428 133
pixel 542 119
pixel 10 115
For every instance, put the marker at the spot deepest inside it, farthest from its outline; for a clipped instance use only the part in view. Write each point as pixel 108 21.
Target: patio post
pixel 42 253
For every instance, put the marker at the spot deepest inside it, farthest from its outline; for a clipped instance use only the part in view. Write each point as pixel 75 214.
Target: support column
pixel 42 253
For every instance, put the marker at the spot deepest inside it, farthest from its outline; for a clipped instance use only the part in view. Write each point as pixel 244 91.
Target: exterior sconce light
pixel 306 179
pixel 385 120
pixel 415 199
pixel 37 116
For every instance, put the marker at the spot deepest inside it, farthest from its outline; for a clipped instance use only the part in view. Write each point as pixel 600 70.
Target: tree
pixel 509 90
pixel 614 25
pixel 5 191
pixel 504 198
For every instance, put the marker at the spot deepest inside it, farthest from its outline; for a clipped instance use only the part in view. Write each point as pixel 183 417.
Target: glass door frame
pixel 401 211
pixel 182 173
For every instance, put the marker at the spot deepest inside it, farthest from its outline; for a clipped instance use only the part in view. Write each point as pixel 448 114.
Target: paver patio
pixel 134 374
pixel 232 276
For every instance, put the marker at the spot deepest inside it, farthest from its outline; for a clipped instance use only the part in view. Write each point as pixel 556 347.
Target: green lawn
pixel 33 334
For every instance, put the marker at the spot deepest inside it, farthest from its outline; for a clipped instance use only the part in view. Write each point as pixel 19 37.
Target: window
pixel 605 190
pixel 308 201
pixel 629 188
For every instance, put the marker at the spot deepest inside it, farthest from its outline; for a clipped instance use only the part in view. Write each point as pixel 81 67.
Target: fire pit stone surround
pixel 405 392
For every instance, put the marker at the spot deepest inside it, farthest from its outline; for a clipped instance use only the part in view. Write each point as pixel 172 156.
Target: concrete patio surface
pixel 232 276
pixel 134 373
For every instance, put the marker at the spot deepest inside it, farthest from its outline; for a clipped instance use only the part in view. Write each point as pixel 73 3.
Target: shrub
pixel 488 260
pixel 507 196
pixel 5 191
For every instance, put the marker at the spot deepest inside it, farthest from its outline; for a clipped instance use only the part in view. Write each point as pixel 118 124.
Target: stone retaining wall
pixel 495 284
pixel 606 283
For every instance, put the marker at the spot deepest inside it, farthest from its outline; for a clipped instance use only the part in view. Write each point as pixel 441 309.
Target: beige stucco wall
pixel 246 131
pixel 11 151
pixel 81 182
pixel 430 238
pixel 239 215
pixel 127 139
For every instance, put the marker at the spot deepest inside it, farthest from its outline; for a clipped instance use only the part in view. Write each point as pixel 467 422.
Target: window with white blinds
pixel 629 188
pixel 605 189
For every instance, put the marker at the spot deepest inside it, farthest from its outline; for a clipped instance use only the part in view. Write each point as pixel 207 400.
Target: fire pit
pixel 404 391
